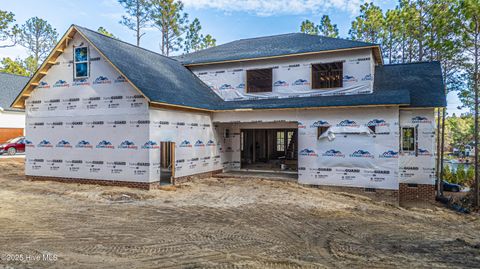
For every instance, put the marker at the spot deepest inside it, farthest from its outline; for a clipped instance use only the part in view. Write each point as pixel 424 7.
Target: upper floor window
pixel 80 63
pixel 327 75
pixel 259 80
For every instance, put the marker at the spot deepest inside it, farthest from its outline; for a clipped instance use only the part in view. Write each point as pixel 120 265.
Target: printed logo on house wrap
pixel 377 122
pixel 29 144
pixel 61 83
pixel 43 85
pixel 151 145
pixel 301 82
pixel 84 144
pixel 104 144
pixel 367 77
pixel 127 145
pixel 102 80
pixel 120 79
pixel 81 82
pixel 63 144
pixel 349 123
pixel 320 123
pixel 226 87
pixel 424 152
pixel 361 154
pixel 45 144
pixel 185 144
pixel 389 154
pixel 348 78
pixel 301 125
pixel 420 119
pixel 280 83
pixel 211 143
pixel 308 152
pixel 333 153
pixel 199 143
pixel 241 86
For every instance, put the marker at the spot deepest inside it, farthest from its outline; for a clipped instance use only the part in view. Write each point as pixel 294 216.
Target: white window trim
pixel 81 62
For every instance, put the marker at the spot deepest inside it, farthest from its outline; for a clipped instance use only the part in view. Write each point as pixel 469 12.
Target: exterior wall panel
pixel 292 76
pixel 90 129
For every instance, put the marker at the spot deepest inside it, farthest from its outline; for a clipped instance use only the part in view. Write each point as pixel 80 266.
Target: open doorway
pixel 167 161
pixel 269 149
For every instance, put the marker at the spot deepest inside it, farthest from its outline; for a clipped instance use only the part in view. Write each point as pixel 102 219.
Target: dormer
pixel 286 66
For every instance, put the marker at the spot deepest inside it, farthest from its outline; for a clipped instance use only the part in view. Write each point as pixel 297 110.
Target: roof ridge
pixel 125 42
pixel 411 63
pixel 5 73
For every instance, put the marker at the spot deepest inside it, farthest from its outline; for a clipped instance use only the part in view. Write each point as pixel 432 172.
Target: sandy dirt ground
pixel 227 223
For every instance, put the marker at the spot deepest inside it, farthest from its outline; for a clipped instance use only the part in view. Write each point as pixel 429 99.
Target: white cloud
pixel 274 7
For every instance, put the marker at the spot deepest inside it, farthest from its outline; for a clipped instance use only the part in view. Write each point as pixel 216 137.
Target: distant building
pixel 12 120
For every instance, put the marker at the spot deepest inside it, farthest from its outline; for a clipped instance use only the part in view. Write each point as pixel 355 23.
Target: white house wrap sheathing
pixel 94 128
pixel 197 143
pixel 356 160
pixel 419 167
pixel 102 128
pixel 291 77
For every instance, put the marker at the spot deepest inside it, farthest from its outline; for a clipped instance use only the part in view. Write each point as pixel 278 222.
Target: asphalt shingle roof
pixel 423 80
pixel 269 46
pixel 160 78
pixel 10 86
pixel 166 80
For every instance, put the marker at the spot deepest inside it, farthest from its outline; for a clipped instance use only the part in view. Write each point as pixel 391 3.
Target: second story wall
pixel 291 76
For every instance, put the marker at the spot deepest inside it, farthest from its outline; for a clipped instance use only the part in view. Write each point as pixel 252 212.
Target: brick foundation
pixel 416 194
pixel 389 196
pixel 180 180
pixel 129 184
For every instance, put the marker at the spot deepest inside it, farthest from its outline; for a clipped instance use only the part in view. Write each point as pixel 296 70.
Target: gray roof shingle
pixel 165 80
pixel 269 46
pixel 10 86
pixel 160 78
pixel 423 80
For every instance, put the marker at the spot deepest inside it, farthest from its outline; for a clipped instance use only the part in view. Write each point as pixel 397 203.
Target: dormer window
pixel 327 75
pixel 81 67
pixel 259 80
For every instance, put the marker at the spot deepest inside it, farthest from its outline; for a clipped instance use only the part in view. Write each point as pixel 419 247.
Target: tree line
pixel 39 37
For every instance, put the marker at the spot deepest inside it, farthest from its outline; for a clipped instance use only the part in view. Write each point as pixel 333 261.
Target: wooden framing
pixel 258 69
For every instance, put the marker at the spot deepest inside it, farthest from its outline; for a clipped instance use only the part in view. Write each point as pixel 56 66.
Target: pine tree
pixel 308 27
pixel 8 30
pixel 169 18
pixel 39 38
pixel 138 16
pixel 326 28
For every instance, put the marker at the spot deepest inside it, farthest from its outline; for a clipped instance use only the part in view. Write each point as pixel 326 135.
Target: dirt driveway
pixel 228 223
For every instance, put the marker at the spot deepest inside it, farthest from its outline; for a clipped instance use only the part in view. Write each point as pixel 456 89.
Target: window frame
pixel 413 142
pixel 75 62
pixel 278 139
pixel 258 69
pixel 313 80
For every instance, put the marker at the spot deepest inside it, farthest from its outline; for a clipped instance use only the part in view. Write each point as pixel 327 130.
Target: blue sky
pixel 226 20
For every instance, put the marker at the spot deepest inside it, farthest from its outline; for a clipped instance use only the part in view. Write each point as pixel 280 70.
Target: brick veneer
pixel 416 193
pixel 389 196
